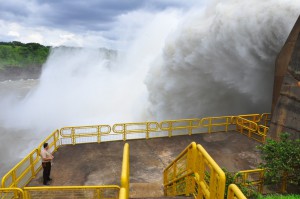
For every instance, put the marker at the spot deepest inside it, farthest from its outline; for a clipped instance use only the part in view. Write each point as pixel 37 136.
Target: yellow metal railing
pixel 194 172
pixel 21 174
pixel 178 174
pixel 253 178
pixel 103 192
pixel 11 193
pixel 234 192
pixel 125 173
pixel 217 124
pixel 265 119
pixel 251 128
pixel 27 168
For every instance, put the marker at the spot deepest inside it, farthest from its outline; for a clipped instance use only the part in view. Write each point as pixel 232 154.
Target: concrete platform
pixel 100 164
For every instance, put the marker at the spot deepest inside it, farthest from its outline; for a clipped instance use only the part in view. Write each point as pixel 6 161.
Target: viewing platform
pixel 100 164
pixel 90 161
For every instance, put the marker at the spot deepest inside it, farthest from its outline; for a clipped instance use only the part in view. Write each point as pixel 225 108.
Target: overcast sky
pixel 78 22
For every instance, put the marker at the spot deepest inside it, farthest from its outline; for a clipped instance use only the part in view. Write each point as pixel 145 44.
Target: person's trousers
pixel 46 171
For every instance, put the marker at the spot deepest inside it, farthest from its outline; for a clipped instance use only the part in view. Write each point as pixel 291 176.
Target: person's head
pixel 45 145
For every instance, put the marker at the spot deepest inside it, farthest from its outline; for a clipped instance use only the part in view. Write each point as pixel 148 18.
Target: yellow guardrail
pixel 141 128
pixel 103 192
pixel 94 131
pixel 21 174
pixel 194 172
pixel 265 119
pixel 27 168
pixel 125 173
pixel 214 185
pixel 11 193
pixel 185 126
pixel 177 173
pixel 216 124
pixel 234 192
pixel 251 128
pixel 253 178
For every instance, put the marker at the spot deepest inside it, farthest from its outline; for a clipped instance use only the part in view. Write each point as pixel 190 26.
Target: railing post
pixel 14 178
pixel 98 134
pixel 170 129
pixel 147 130
pixel 31 164
pixel 210 121
pixel 190 128
pixel 73 135
pixel 124 132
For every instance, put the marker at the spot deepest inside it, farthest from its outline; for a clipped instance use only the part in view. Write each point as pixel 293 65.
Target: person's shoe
pixel 46 184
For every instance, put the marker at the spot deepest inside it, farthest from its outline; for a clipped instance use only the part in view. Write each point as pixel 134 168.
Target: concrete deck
pixel 100 164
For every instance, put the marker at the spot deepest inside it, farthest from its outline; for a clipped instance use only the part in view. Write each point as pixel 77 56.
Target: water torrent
pixel 215 59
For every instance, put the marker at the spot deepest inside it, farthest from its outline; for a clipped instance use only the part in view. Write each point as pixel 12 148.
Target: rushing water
pixel 213 60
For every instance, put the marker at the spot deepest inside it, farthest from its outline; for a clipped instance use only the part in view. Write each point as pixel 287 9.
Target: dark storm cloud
pixel 10 11
pixel 75 15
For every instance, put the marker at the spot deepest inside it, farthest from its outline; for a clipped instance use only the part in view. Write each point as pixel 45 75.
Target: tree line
pixel 21 55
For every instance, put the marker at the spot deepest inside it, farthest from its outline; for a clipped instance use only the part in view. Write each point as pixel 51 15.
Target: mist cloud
pixel 210 60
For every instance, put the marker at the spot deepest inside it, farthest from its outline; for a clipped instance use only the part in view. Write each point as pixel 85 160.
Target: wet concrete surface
pixel 100 164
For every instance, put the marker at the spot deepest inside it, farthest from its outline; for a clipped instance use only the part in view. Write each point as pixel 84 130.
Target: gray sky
pixel 78 22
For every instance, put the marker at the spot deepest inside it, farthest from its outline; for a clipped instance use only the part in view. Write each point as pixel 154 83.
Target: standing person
pixel 46 163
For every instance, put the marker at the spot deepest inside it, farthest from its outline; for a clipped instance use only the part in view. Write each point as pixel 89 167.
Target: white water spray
pixel 213 60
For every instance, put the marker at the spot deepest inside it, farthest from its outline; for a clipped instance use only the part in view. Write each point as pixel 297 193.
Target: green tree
pixel 281 159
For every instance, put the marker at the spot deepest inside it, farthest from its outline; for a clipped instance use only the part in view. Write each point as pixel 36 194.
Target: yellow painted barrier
pixel 143 129
pixel 94 133
pixel 125 173
pixel 249 125
pixel 194 172
pixel 8 193
pixel 217 124
pixel 211 186
pixel 180 127
pixel 178 174
pixel 234 192
pixel 254 178
pixel 23 172
pixel 251 128
pixel 99 192
pixel 252 117
pixel 265 119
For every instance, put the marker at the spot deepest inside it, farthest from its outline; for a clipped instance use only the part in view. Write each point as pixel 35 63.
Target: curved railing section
pixel 253 178
pixel 195 173
pixel 234 192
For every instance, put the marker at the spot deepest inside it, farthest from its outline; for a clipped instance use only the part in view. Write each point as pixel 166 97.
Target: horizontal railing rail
pixel 103 192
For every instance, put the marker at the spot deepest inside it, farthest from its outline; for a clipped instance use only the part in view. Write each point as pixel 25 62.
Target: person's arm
pixel 44 156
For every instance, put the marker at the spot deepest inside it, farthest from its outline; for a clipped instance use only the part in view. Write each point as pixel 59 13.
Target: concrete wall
pixel 286 92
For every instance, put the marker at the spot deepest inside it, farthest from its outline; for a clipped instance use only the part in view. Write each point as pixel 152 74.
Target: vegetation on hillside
pixel 281 159
pixel 17 54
